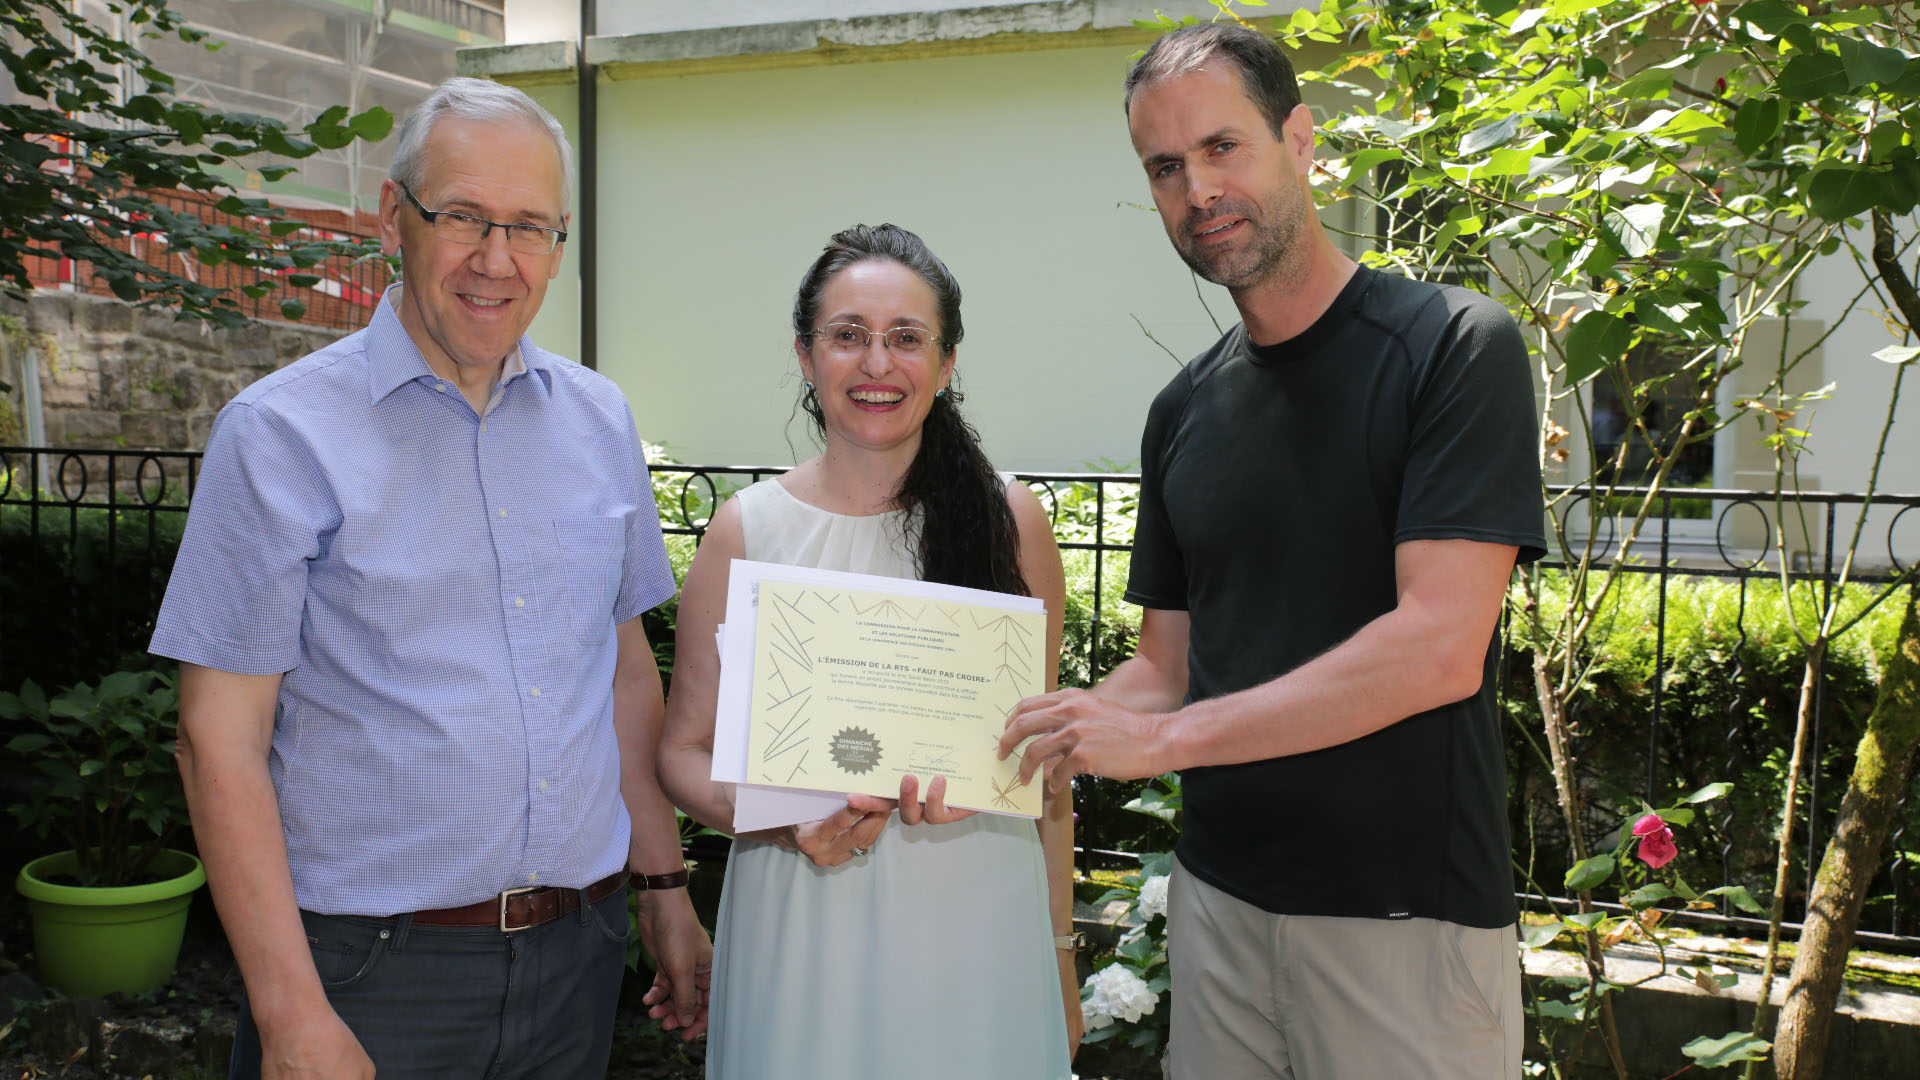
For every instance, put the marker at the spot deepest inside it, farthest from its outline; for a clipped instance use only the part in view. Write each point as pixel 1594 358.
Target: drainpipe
pixel 586 166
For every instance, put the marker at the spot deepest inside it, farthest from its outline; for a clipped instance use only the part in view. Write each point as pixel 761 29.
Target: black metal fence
pixel 86 538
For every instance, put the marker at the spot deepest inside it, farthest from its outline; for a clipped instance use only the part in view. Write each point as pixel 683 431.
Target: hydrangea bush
pixel 1126 997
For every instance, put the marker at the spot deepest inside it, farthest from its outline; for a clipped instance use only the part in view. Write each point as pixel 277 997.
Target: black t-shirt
pixel 1276 482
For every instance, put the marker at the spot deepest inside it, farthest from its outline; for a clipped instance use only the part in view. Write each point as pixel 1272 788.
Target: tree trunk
pixel 1852 858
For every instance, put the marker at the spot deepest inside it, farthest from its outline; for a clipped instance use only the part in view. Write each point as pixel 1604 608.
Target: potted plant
pixel 110 910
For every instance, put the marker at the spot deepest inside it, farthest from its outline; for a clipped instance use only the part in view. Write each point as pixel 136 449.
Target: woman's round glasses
pixel 848 338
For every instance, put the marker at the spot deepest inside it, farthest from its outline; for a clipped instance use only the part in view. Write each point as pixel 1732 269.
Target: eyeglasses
pixel 849 338
pixel 467 229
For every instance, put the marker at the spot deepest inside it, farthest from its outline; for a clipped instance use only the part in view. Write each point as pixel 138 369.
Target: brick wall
pixel 112 375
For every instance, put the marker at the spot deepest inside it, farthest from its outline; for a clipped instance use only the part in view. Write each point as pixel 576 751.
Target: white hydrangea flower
pixel 1117 994
pixel 1153 898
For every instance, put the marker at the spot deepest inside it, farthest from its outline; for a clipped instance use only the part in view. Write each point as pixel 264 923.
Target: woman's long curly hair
pixel 964 533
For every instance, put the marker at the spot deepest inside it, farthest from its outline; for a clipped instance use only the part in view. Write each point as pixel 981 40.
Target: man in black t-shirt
pixel 1333 498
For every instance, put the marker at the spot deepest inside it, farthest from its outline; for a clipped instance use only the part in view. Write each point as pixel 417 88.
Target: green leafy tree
pixel 94 130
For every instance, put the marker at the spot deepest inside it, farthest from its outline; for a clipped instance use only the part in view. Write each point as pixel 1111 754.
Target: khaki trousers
pixel 1301 997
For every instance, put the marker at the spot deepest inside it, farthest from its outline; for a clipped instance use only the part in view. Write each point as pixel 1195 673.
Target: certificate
pixel 834 683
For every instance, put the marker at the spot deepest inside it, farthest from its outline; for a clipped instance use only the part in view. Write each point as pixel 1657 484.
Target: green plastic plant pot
pixel 93 942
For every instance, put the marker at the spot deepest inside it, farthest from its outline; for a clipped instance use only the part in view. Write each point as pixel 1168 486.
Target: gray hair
pixel 473 99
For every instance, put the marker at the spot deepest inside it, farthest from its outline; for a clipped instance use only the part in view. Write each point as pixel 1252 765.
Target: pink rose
pixel 1657 848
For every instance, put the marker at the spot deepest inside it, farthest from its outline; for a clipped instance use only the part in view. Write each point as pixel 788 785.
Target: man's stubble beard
pixel 1273 248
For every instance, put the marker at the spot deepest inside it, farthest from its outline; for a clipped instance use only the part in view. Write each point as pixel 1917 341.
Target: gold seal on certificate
pixel 854 687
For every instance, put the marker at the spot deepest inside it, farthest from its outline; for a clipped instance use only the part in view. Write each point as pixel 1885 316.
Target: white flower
pixel 1116 993
pixel 1153 898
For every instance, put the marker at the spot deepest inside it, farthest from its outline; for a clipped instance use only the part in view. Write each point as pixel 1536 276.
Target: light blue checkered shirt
pixel 441 590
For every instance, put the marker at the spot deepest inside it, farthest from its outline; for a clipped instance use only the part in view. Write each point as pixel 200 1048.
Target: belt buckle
pixel 507 895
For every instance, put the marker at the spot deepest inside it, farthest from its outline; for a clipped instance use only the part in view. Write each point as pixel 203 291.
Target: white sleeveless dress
pixel 930 958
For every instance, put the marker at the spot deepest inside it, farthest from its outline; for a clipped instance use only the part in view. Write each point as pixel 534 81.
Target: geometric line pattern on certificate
pixel 791 658
pixel 1015 650
pixel 886 607
pixel 830 601
pixel 1003 793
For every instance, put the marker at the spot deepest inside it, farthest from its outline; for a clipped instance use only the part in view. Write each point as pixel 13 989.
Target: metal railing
pixel 138 498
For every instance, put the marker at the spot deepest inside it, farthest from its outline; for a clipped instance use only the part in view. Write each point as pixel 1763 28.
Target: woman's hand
pixel 842 835
pixel 935 811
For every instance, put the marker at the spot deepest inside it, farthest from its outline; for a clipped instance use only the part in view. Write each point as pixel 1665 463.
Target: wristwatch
pixel 650 882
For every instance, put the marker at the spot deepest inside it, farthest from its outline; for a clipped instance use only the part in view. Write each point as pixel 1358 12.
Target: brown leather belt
pixel 522 909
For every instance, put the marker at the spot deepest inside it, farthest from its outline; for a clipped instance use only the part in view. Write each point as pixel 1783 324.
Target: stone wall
pixel 116 376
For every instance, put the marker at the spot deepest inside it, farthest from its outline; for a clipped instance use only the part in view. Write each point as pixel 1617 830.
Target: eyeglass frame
pixel 883 335
pixel 560 235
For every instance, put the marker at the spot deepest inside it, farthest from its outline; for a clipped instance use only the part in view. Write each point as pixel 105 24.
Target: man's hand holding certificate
pixel 835 683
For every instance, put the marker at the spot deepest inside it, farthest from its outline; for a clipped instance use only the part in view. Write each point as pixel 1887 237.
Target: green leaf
pixel 1637 227
pixel 1361 165
pixel 1728 1049
pixel 1588 873
pixel 1739 896
pixel 1648 84
pixel 1488 136
pixel 1771 16
pixel 1539 937
pixel 1886 139
pixel 292 310
pixel 1812 75
pixel 372 125
pixel 30 743
pixel 91 766
pixel 1597 340
pixel 121 685
pixel 1677 815
pixel 1897 354
pixel 1550 1009
pixel 33 698
pixel 1756 122
pixel 1586 921
pixel 1838 191
pixel 1866 63
pixel 1648 895
pixel 1711 791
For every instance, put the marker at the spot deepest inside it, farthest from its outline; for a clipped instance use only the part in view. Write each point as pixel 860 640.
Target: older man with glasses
pixel 418 711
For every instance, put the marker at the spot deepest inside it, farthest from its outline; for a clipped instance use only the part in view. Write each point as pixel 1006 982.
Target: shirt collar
pixel 393 359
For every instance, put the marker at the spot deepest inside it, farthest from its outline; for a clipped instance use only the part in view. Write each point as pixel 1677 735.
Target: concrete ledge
pixel 1875 1027
pixel 522 65
pixel 955 31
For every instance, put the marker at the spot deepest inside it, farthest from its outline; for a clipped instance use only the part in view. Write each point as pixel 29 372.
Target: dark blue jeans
pixel 464 1003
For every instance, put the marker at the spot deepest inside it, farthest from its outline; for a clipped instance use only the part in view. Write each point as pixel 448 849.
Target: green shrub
pixel 96 771
pixel 1729 691
pixel 81 589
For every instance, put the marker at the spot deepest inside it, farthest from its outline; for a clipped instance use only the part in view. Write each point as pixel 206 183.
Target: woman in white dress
pixel 939 947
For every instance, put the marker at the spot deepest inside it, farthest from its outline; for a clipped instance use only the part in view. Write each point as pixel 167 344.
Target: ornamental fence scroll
pixel 88 537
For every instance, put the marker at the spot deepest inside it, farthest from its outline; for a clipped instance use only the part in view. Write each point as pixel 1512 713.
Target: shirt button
pixel 519 601
pixel 442 387
pixel 543 785
pixel 483 427
pixel 535 691
pixel 533 877
pixel 503 511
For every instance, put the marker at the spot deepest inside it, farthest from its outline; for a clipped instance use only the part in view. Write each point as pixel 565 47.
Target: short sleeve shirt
pixel 1276 483
pixel 440 588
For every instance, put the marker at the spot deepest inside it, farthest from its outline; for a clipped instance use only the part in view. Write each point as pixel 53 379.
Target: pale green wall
pixel 557 327
pixel 716 192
